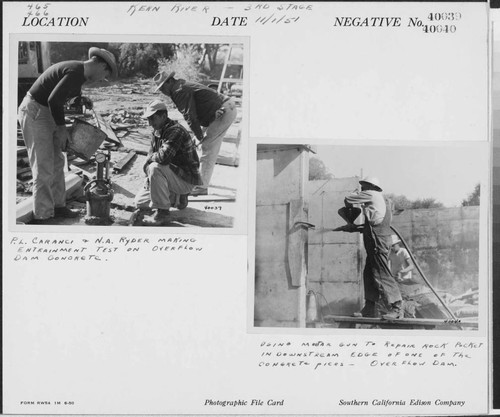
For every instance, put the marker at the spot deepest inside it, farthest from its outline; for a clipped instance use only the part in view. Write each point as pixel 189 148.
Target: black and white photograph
pixel 368 236
pixel 130 134
pixel 246 208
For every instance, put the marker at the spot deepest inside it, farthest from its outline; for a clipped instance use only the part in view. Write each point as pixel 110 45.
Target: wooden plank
pixel 23 162
pixel 25 176
pixel 24 210
pixel 23 170
pixel 120 126
pixel 417 322
pixel 228 161
pixel 124 161
pixel 211 198
pixel 22 150
pixel 137 151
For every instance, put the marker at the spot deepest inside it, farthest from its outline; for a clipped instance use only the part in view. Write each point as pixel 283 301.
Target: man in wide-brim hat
pixel 208 113
pixel 41 116
pixel 379 282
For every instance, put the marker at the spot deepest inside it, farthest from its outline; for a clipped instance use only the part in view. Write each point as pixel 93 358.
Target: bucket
pixel 99 206
pixel 85 139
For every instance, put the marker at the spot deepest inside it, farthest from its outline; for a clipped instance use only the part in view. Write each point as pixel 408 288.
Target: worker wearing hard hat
pixel 208 113
pixel 171 167
pixel 379 283
pixel 41 117
pixel 400 261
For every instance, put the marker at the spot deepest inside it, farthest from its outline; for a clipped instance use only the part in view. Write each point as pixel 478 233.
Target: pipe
pixel 425 278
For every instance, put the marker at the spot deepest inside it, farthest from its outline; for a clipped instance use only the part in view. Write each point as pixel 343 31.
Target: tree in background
pixel 426 203
pixel 184 61
pixel 194 61
pixel 473 198
pixel 67 51
pixel 209 58
pixel 142 58
pixel 318 170
pixel 401 202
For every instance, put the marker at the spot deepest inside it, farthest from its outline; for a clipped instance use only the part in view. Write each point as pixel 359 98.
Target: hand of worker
pixel 87 102
pixel 200 141
pixel 146 164
pixel 219 113
pixel 62 136
pixel 350 228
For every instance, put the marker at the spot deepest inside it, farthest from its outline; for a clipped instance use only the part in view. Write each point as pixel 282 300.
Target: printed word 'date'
pixel 229 21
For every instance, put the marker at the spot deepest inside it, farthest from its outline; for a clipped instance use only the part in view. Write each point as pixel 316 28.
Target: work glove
pixel 219 113
pixel 350 228
pixel 87 102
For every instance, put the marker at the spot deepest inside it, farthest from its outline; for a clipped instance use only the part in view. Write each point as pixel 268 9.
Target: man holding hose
pixel 379 282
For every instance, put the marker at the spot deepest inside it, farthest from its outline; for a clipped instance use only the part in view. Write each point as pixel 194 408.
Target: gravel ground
pixel 121 104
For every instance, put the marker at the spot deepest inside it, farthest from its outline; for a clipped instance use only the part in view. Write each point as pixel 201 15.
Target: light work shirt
pixel 372 202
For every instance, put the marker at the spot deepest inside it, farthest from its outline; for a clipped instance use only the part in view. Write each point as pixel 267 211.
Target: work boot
pixel 65 212
pixel 369 310
pixel 161 217
pixel 137 217
pixel 396 311
pixel 198 191
pixel 183 201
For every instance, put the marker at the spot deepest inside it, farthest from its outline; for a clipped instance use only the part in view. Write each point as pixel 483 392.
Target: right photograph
pixel 368 236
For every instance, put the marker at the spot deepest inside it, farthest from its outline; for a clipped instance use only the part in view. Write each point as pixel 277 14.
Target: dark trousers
pixel 378 279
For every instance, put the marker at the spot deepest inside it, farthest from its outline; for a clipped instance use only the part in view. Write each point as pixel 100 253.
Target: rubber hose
pixel 425 278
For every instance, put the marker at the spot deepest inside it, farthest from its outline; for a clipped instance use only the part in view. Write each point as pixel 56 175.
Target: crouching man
pixel 172 165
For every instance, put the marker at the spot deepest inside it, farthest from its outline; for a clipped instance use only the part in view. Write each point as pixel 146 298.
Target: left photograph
pixel 129 134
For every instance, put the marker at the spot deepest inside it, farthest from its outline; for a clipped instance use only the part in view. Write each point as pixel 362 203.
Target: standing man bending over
pixel 379 283
pixel 41 116
pixel 172 165
pixel 201 106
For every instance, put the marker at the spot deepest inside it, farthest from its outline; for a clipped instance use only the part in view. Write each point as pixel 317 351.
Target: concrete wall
pixel 280 252
pixel 290 260
pixel 445 243
pixel 335 258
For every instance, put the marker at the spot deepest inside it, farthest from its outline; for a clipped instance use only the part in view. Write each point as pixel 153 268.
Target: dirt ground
pixel 120 106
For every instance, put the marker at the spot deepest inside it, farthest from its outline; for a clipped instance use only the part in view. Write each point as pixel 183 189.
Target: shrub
pixel 184 63
pixel 142 58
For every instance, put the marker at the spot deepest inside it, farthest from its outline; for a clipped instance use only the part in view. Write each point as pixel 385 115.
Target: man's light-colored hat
pixel 161 78
pixel 371 180
pixel 107 56
pixel 395 239
pixel 153 107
